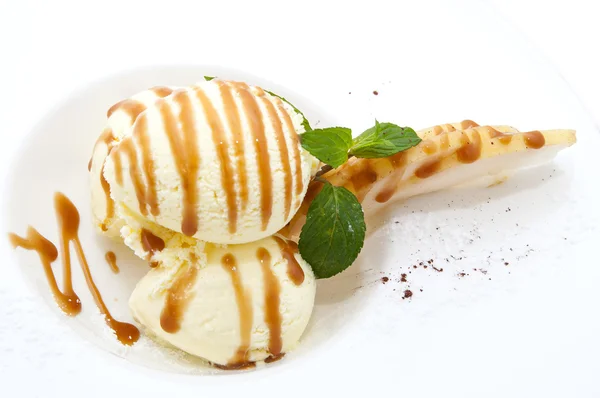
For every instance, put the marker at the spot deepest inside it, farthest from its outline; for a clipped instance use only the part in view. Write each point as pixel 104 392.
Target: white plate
pixel 529 327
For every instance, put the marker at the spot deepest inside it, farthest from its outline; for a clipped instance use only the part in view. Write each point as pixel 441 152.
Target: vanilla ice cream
pixel 229 304
pixel 121 117
pixel 218 161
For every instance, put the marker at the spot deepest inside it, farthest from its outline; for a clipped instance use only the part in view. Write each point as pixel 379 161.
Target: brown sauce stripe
pixel 188 163
pixel 235 125
pixel 534 139
pixel 294 270
pixel 467 124
pixel 140 134
pixel 257 129
pixel 222 147
pixel 162 91
pixel 429 147
pixel 132 107
pixel 116 158
pixel 244 302
pixel 428 168
pixel 127 147
pixel 111 260
pixel 272 301
pixel 295 145
pixel 470 150
pixel 177 299
pixel 107 137
pixel 283 151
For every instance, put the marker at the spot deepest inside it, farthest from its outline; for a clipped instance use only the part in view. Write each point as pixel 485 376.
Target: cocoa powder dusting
pixel 407 294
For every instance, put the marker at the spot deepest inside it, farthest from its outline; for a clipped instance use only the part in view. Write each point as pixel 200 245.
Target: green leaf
pixel 334 232
pixel 329 145
pixel 382 140
pixel 304 119
pixel 209 78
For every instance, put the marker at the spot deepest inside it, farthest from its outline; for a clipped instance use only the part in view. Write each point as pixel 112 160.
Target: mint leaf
pixel 334 232
pixel 304 119
pixel 209 78
pixel 382 140
pixel 329 145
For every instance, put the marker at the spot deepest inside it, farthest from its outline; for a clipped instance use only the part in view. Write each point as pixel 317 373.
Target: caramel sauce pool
pixel 68 222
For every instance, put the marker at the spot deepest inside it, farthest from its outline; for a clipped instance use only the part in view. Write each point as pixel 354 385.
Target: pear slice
pixel 448 156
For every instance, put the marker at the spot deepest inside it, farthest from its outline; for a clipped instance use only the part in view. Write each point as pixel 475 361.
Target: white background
pixel 566 31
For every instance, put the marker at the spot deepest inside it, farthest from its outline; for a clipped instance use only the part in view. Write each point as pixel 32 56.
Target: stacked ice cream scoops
pixel 210 184
pixel 197 180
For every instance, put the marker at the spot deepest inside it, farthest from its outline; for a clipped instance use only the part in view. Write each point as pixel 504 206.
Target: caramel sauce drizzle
pixel 66 299
pixel 294 270
pixel 429 147
pixel 295 146
pixel 272 301
pixel 470 151
pixel 257 129
pixel 534 139
pixel 503 138
pixel 222 147
pixel 68 222
pixel 184 147
pixel 283 151
pixel 111 259
pixel 178 297
pixel 150 242
pixel 107 137
pixel 235 125
pixel 428 168
pixel 130 106
pixel 140 134
pixel 162 91
pixel 467 124
pixel 244 302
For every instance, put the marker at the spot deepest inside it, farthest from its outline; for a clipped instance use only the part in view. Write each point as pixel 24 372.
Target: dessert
pixel 219 161
pixel 238 206
pixel 245 303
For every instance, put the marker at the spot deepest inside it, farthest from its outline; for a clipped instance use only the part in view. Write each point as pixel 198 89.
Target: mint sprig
pixel 209 78
pixel 334 232
pixel 382 140
pixel 329 145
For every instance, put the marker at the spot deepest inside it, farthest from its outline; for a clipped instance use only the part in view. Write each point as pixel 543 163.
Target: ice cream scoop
pixel 219 161
pixel 231 305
